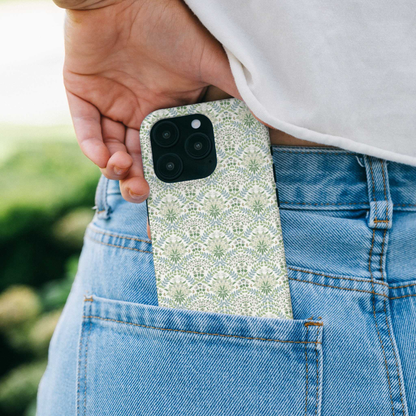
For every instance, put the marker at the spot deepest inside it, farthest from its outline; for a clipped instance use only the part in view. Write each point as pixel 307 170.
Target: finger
pixel 134 187
pixel 87 124
pixel 118 166
pixel 113 137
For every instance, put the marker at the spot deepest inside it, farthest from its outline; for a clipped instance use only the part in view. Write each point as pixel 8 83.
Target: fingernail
pixel 119 171
pixel 135 196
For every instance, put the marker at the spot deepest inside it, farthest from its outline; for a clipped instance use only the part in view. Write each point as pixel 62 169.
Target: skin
pixel 127 58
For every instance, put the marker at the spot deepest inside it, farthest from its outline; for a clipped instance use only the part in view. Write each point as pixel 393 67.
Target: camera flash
pixel 196 124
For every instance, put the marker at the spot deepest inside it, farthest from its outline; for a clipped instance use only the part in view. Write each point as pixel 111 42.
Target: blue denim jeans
pixel 349 228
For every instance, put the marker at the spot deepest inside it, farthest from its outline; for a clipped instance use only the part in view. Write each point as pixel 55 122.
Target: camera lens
pixel 198 145
pixel 169 166
pixel 165 134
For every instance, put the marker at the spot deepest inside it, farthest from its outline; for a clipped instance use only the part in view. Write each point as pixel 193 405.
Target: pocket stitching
pixel 208 333
pixel 93 229
pixel 79 368
pixel 114 245
pixel 82 375
pixel 317 373
pixel 85 368
pixel 363 280
pixel 340 288
pixel 306 366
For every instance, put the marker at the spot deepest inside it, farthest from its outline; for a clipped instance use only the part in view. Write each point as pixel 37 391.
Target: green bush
pixel 41 332
pixel 48 188
pixel 18 305
pixel 42 181
pixel 54 294
pixel 18 389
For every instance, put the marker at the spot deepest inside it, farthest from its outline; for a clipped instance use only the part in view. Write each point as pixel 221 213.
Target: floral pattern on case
pixel 217 241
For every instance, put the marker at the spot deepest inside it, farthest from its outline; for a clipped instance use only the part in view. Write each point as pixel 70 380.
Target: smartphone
pixel 213 211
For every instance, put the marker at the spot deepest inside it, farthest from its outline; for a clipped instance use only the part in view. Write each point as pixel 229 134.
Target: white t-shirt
pixel 335 72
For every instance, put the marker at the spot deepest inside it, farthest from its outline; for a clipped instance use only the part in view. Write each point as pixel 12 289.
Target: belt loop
pixel 103 210
pixel 381 205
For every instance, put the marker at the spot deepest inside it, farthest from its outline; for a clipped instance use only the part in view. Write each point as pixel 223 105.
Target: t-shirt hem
pixel 303 133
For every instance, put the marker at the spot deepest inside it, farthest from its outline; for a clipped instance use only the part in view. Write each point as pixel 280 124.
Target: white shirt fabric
pixel 335 72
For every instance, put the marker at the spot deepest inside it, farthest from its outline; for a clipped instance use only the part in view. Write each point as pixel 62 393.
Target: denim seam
pixel 340 203
pixel 382 278
pixel 400 287
pixel 317 373
pixel 354 280
pixel 330 152
pixel 385 309
pixel 385 192
pixel 117 246
pixel 395 359
pixel 336 277
pixel 324 204
pixel 118 236
pixel 79 368
pixel 401 297
pixel 306 371
pixel 85 368
pixel 340 288
pixel 382 254
pixel 197 332
pixel 374 189
pixel 375 320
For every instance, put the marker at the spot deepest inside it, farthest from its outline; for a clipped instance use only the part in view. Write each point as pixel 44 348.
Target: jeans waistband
pixel 317 178
pixel 334 179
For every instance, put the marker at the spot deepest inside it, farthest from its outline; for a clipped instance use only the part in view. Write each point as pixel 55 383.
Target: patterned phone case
pixel 217 241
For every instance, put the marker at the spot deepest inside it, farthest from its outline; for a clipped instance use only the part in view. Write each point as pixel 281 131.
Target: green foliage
pixel 18 305
pixel 48 188
pixel 55 293
pixel 44 184
pixel 70 229
pixel 42 180
pixel 41 332
pixel 18 389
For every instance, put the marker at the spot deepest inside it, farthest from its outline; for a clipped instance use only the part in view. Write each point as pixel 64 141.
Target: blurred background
pixel 47 191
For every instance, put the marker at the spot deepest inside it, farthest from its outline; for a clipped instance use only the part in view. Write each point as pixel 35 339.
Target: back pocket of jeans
pixel 137 359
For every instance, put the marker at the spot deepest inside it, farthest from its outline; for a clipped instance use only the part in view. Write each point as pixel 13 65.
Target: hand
pixel 125 59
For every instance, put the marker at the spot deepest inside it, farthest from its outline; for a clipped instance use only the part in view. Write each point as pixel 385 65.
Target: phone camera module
pixel 166 134
pixel 169 166
pixel 198 146
pixel 183 148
